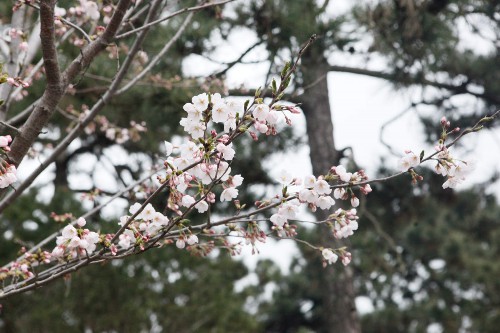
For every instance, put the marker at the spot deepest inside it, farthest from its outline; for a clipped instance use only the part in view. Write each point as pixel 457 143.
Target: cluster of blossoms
pixel 81 14
pixel 315 193
pixel 339 173
pixel 23 268
pixel 113 132
pixel 344 223
pixel 330 257
pixel 197 169
pixel 252 235
pixel 454 169
pixel 75 241
pixel 13 34
pixel 145 225
pixel 408 161
pixel 8 172
pixel 121 135
pixel 198 112
pixel 194 168
pixel 16 270
pixel 84 11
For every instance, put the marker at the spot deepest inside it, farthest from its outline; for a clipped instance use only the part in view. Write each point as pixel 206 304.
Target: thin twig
pixel 168 17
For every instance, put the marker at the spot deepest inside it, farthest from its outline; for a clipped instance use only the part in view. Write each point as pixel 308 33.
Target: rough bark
pixel 339 311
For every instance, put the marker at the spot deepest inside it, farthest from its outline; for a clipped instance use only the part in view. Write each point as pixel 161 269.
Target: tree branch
pixel 157 58
pixel 75 132
pixel 457 89
pixel 168 17
pixel 57 83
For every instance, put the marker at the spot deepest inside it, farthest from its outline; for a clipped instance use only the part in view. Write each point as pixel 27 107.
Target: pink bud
pixel 254 136
pixel 113 249
pixel 366 189
pixel 12 82
pixel 443 121
pixel 23 46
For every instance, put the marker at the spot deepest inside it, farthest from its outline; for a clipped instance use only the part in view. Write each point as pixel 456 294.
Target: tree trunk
pixel 339 311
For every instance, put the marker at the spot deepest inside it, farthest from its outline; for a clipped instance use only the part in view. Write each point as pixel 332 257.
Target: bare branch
pixel 168 17
pixel 157 58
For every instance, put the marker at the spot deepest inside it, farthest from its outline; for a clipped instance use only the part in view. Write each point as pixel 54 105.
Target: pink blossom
pixel 168 148
pixel 228 194
pixel 69 232
pixel 180 243
pixel 58 251
pixel 278 220
pixel 236 180
pixel 325 202
pixel 90 9
pixel 284 177
pixel 5 140
pixel 126 239
pixel 192 239
pixel 343 174
pixel 322 187
pixel 410 160
pixel 201 206
pixel 329 256
pixel 200 102
pixel 220 112
pixel 12 82
pixel 81 222
pixel 309 181
pixel 188 201
pixel 260 112
pixel 261 127
pixel 346 258
pixel 226 151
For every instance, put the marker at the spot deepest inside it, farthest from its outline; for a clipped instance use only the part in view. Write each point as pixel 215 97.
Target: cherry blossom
pixel 229 194
pixel 8 177
pixel 260 112
pixel 329 256
pixel 200 102
pixel 201 206
pixel 409 160
pixel 343 174
pixel 5 140
pixel 192 239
